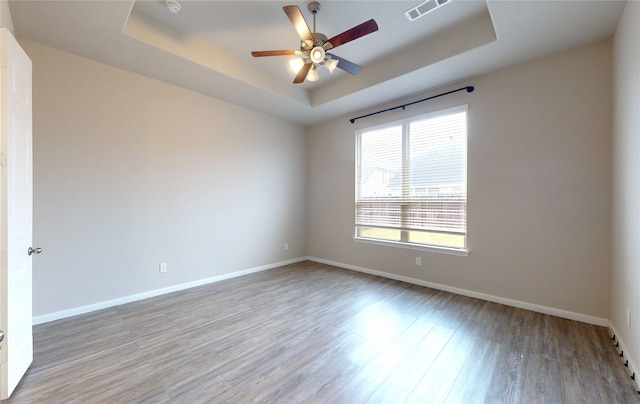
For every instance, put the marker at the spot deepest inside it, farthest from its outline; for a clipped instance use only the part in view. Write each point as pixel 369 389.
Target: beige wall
pixel 5 16
pixel 625 292
pixel 130 172
pixel 539 188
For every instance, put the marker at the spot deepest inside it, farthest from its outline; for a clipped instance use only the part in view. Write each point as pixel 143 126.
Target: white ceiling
pixel 206 46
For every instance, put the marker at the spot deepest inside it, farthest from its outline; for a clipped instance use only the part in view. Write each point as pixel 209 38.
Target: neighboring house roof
pixel 426 168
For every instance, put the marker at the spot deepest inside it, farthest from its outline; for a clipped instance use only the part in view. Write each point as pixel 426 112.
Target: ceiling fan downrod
pixel 314 7
pixel 317 52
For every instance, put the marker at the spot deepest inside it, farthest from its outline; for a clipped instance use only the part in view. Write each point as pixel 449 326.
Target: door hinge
pixel 3 159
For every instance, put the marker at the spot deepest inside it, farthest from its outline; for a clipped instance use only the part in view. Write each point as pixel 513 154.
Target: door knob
pixel 36 250
pixel 1 336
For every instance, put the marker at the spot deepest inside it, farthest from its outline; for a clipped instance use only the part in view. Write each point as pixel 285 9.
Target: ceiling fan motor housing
pixel 318 40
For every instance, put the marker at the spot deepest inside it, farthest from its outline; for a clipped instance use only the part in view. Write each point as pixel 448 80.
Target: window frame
pixel 404 242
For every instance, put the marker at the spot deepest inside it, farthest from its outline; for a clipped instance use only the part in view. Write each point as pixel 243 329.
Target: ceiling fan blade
pixel 299 23
pixel 346 65
pixel 356 32
pixel 302 74
pixel 256 54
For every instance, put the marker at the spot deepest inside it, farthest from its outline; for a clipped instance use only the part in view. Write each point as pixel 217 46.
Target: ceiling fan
pixel 314 46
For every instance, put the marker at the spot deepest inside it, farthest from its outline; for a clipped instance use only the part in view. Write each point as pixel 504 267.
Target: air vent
pixel 423 9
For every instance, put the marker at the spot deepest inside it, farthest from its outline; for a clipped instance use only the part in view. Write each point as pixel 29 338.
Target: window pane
pixel 445 212
pixel 438 156
pixel 380 163
pixel 378 233
pixel 437 239
pixel 374 212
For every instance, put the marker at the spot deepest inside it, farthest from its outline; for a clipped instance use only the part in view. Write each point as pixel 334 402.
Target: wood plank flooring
pixel 309 332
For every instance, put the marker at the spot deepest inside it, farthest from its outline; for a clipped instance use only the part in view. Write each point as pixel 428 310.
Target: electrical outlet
pixel 286 246
pixel 628 318
pixel 418 261
pixel 163 267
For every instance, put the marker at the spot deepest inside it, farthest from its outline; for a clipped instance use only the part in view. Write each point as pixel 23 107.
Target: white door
pixel 16 210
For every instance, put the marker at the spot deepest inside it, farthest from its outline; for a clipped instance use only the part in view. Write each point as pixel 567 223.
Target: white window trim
pixel 464 252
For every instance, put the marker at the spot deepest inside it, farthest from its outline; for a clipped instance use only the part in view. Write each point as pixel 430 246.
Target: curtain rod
pixel 403 106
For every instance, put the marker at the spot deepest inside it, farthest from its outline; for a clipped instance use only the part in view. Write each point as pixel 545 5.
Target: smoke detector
pixel 173 6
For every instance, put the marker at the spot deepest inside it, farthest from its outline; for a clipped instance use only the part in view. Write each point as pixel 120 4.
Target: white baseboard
pixel 45 318
pixel 483 296
pixel 496 299
pixel 624 353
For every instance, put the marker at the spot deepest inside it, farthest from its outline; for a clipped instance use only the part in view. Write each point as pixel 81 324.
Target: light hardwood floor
pixel 310 332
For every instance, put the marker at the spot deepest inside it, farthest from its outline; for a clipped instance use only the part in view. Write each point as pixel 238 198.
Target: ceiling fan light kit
pixel 317 55
pixel 331 64
pixel 296 64
pixel 314 46
pixel 313 74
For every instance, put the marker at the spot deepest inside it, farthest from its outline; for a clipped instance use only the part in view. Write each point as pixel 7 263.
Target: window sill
pixel 410 246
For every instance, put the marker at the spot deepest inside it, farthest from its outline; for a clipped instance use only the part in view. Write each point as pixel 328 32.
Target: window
pixel 411 181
